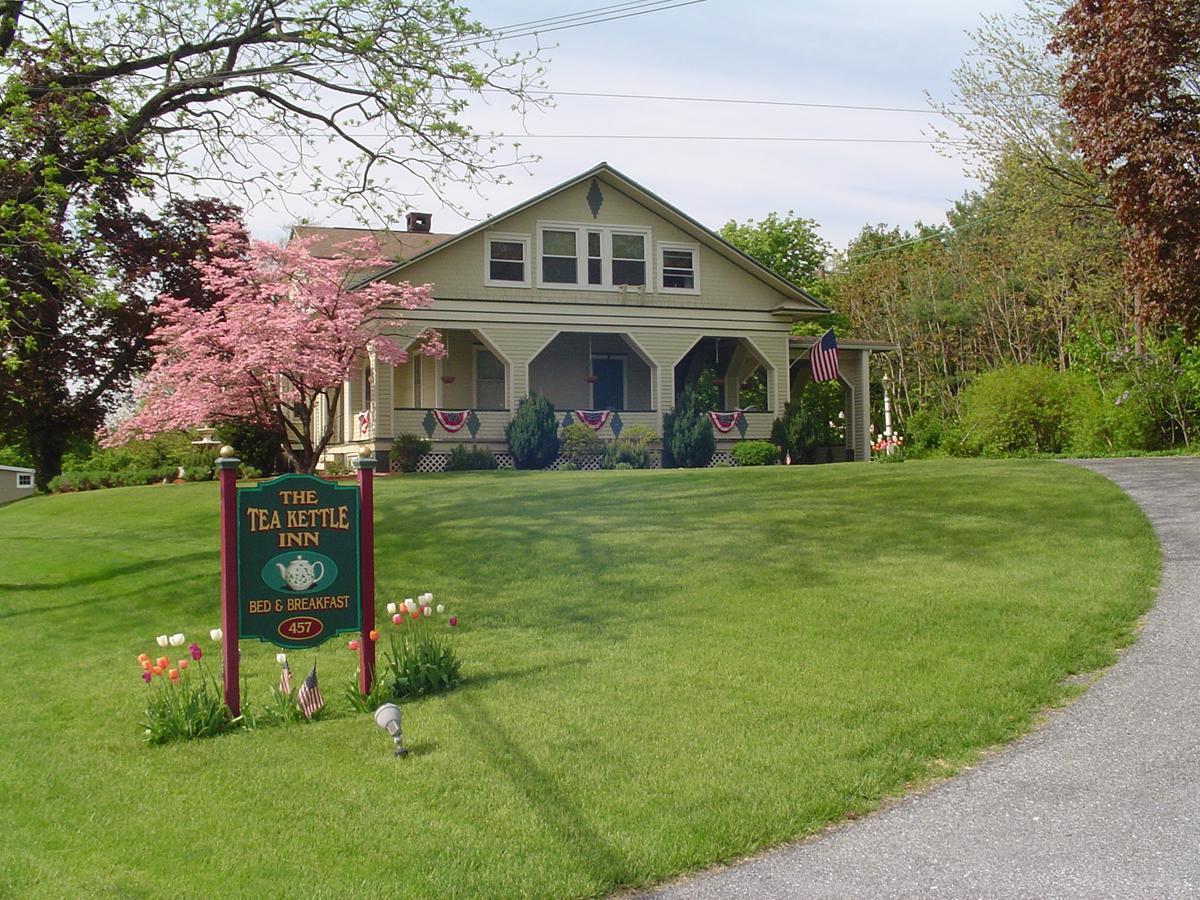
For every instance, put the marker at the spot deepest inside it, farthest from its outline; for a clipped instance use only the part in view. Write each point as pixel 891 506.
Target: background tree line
pixel 1066 289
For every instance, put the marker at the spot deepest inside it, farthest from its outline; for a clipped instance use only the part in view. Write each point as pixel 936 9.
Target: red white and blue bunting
pixel 451 419
pixel 594 419
pixel 724 422
pixel 364 422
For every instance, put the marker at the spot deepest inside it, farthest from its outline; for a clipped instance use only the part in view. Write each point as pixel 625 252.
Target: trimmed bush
pixel 755 453
pixel 579 443
pixel 533 433
pixel 407 450
pixel 464 460
pixel 1019 410
pixel 688 440
pixel 632 449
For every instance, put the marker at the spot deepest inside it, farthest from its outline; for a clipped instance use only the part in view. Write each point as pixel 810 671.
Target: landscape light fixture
pixel 387 717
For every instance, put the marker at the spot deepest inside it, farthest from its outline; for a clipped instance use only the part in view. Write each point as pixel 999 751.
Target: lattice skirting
pixel 436 462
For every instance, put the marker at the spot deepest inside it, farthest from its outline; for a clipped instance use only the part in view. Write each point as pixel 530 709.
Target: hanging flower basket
pixel 448 379
pixel 591 379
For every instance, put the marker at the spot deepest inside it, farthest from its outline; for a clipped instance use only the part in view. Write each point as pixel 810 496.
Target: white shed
pixel 15 483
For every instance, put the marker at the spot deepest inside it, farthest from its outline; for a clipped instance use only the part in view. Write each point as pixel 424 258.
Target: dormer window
pixel 592 258
pixel 506 260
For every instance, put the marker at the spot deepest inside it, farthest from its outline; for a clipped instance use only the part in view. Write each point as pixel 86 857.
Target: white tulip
pixel 427 610
pixel 391 608
pixel 177 639
pixel 441 608
pixel 427 598
pixel 410 605
pixel 214 633
pixel 281 658
pixel 162 640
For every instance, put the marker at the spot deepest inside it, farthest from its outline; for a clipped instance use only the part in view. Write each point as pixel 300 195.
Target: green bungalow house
pixel 605 299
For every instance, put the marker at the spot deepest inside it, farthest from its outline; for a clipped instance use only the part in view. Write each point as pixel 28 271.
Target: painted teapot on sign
pixel 300 574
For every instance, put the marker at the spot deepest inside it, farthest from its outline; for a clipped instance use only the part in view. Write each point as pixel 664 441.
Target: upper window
pixel 506 260
pixel 595 258
pixel 560 263
pixel 628 258
pixel 677 267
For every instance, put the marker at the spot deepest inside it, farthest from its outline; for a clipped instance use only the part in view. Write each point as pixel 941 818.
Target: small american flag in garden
pixel 823 358
pixel 285 679
pixel 309 698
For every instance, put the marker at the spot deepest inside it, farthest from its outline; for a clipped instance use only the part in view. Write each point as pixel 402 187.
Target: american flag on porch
pixel 309 698
pixel 823 358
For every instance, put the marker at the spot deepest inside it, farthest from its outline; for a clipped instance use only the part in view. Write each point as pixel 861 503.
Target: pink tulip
pixel 453 621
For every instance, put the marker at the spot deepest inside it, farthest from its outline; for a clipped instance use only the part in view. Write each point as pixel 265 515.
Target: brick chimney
pixel 418 221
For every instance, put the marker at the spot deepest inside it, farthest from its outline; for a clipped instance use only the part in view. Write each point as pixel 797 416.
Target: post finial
pixel 226 452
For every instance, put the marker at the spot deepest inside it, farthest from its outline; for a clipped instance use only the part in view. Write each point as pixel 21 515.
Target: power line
pixel 575 15
pixel 789 103
pixel 718 137
pixel 656 6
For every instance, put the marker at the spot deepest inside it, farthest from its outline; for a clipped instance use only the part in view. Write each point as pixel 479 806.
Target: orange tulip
pixel 374 635
pixel 183 664
pixel 142 657
pixel 147 665
pixel 164 663
pixel 416 614
pixel 157 670
pixel 173 674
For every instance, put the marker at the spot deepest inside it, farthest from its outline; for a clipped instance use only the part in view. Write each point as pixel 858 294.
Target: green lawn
pixel 665 670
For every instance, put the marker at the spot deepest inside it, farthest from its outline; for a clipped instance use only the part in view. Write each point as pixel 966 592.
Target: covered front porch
pixel 469 395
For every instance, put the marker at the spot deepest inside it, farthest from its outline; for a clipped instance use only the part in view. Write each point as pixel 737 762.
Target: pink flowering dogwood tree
pixel 276 348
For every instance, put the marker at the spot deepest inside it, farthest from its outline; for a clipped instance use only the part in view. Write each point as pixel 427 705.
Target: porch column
pixel 383 402
pixel 855 375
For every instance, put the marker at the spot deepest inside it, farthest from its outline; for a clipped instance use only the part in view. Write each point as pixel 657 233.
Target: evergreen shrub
pixel 688 440
pixel 533 433
pixel 476 458
pixel 407 450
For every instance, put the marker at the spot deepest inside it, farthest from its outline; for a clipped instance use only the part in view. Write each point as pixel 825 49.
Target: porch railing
pixel 491 422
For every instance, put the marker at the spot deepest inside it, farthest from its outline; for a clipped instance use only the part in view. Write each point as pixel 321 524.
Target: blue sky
pixel 868 53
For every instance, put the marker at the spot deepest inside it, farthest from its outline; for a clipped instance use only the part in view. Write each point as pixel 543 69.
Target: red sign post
pixel 366 550
pixel 227 468
pixel 232 562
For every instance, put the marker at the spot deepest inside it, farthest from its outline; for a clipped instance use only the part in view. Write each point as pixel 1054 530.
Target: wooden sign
pixel 297 565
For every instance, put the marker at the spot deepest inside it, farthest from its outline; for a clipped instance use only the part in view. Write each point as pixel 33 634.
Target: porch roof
pixel 806 341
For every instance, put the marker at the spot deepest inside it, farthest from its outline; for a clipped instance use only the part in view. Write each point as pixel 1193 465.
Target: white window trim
pixel 606 232
pixel 24 481
pixel 679 245
pixel 522 239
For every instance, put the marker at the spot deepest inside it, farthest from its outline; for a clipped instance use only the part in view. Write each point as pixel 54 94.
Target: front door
pixel 608 391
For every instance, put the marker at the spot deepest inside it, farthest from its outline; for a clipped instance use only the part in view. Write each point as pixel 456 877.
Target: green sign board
pixel 298 561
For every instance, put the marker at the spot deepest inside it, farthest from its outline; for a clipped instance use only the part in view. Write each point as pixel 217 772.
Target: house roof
pixel 802 301
pixel 20 469
pixel 393 245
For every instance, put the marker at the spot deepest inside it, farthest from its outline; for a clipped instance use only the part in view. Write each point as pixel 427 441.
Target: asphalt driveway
pixel 1103 801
